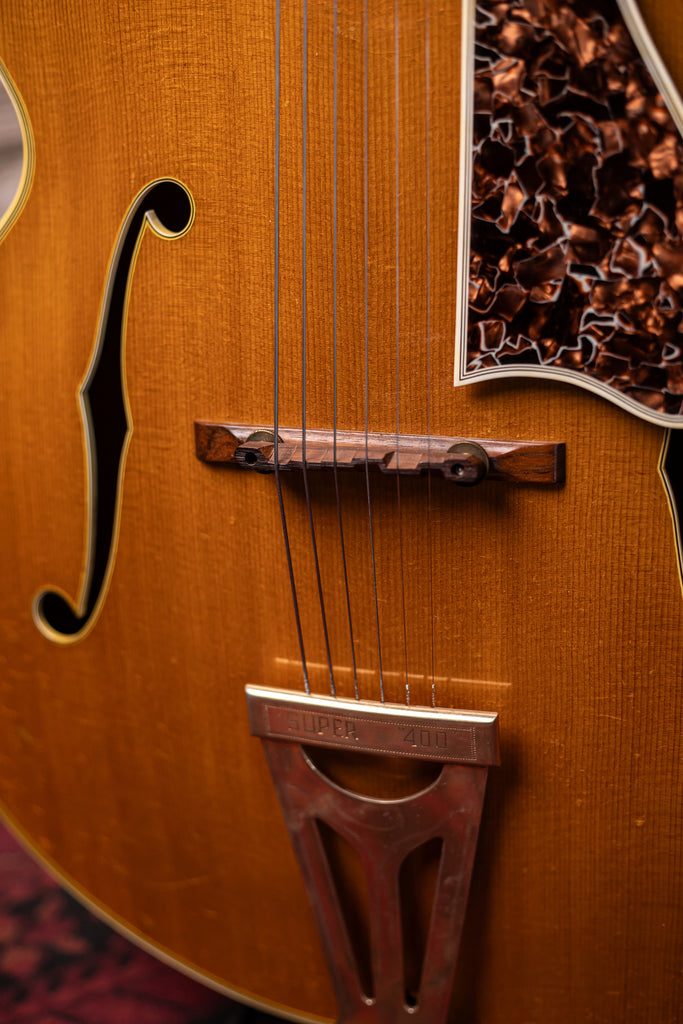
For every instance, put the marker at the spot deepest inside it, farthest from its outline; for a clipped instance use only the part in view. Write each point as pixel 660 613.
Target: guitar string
pixel 365 295
pixel 398 334
pixel 428 233
pixel 304 341
pixel 276 303
pixel 334 337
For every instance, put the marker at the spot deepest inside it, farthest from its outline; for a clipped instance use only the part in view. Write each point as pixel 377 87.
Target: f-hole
pixel 167 208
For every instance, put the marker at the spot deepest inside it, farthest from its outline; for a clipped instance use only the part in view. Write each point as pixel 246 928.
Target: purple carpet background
pixel 61 965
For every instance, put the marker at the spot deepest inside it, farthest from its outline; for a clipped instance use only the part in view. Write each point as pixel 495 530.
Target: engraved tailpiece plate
pixel 434 734
pixel 382 834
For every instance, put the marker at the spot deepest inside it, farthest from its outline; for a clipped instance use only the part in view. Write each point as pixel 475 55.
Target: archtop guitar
pixel 341 624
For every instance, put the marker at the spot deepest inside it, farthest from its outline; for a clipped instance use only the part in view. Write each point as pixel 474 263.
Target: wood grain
pixel 126 759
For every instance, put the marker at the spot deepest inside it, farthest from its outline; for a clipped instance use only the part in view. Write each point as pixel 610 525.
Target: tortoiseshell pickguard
pixel 576 205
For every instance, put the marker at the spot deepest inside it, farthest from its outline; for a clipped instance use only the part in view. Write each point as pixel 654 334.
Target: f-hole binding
pixel 167 207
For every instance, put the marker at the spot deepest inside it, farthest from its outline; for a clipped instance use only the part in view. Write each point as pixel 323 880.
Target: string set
pixel 428 277
pixel 366 338
pixel 397 220
pixel 276 346
pixel 335 158
pixel 366 333
pixel 304 339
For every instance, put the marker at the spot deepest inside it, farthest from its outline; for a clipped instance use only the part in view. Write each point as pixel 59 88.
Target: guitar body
pixel 126 759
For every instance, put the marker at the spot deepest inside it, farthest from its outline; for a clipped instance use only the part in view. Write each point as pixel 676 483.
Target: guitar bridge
pixel 383 834
pixel 465 461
